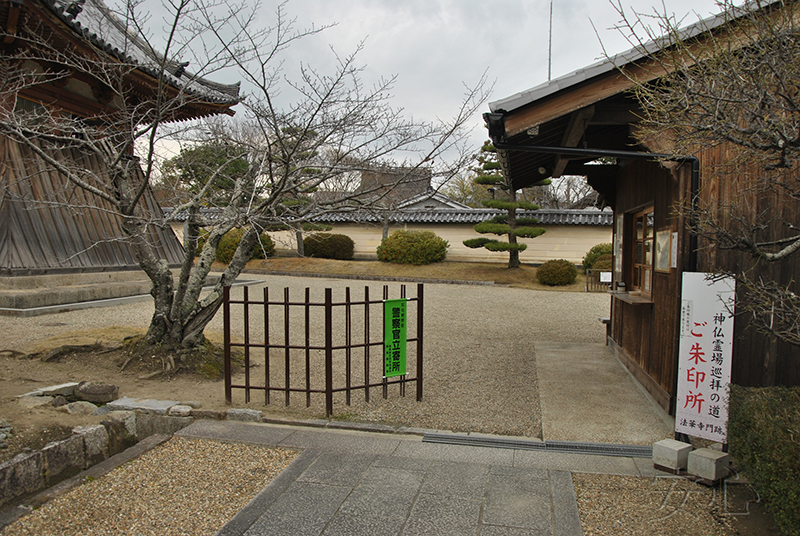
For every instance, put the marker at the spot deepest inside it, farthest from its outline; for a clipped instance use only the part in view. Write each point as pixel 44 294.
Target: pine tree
pixel 490 174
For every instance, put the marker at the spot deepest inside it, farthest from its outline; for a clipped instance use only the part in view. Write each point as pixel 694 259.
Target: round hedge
pixel 329 246
pixel 265 247
pixel 557 272
pixel 595 253
pixel 603 262
pixel 413 247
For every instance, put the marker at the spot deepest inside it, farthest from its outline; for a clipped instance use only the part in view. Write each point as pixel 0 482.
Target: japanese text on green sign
pixel 394 337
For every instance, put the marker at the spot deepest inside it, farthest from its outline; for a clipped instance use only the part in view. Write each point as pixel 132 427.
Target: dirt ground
pixel 20 374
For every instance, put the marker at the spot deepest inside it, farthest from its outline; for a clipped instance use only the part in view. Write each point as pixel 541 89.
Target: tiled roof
pixel 470 216
pixel 102 28
pixel 618 61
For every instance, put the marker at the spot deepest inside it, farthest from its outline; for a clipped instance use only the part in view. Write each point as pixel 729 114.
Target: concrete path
pixel 364 483
pixel 586 394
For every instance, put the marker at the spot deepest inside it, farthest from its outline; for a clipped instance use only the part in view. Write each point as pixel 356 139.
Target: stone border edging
pixel 372 278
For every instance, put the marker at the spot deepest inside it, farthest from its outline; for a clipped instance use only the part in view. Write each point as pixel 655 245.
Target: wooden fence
pixel 311 347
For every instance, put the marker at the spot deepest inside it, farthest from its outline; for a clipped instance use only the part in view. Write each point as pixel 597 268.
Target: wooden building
pixel 47 224
pixel 584 123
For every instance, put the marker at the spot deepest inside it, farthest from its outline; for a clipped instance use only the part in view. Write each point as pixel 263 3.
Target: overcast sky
pixel 436 46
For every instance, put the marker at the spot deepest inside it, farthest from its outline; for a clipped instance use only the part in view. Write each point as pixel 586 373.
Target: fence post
pixel 328 352
pixel 420 314
pixel 367 341
pixel 226 315
pixel 246 344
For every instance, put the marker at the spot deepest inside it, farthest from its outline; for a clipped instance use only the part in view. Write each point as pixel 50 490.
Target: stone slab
pixel 35 401
pixel 63 389
pixel 20 475
pixel 148 424
pixel 244 414
pixel 95 443
pixel 145 405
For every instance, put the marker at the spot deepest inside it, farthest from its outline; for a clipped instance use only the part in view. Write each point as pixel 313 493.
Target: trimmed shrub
pixel 329 246
pixel 413 247
pixel 763 427
pixel 265 247
pixel 229 243
pixel 477 242
pixel 595 253
pixel 557 272
pixel 603 262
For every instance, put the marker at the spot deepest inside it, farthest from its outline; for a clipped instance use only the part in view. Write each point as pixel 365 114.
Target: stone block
pixel 180 411
pixel 31 402
pixel 63 459
pixel 79 408
pixel 144 405
pixel 708 464
pixel 20 475
pixel 126 418
pixel 240 414
pixel 211 414
pixel 671 454
pixel 95 443
pixel 121 429
pixel 148 424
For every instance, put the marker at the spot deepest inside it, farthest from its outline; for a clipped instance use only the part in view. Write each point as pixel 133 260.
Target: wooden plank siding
pixel 645 335
pixel 40 232
pixel 758 359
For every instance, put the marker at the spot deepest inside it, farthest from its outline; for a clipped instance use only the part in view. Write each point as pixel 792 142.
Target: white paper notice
pixel 704 361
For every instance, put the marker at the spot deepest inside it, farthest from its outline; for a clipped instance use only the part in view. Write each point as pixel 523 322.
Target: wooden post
pixel 420 314
pixel 226 315
pixel 328 352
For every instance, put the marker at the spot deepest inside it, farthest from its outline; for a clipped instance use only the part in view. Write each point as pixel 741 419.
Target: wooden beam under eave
pixel 11 25
pixel 578 122
pixel 594 91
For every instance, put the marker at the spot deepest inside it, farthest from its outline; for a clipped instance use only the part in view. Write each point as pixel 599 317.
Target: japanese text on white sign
pixel 704 360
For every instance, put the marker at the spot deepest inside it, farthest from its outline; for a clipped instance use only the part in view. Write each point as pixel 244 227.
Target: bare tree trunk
pixel 298 233
pixel 513 254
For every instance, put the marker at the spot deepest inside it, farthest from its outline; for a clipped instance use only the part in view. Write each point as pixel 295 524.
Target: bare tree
pixel 567 192
pixel 292 137
pixel 733 88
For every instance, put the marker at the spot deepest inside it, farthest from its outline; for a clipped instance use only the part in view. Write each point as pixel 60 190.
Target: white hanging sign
pixel 704 361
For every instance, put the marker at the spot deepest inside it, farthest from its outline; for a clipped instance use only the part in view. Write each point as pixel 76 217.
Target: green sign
pixel 394 337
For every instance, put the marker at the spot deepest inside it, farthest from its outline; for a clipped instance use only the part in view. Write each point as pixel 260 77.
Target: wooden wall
pixel 49 225
pixel 758 359
pixel 645 335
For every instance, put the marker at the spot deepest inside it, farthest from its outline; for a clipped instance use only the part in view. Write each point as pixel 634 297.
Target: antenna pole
pixel 550 46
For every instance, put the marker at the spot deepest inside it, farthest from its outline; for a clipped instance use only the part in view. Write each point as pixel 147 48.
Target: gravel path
pixel 480 362
pixel 481 376
pixel 185 486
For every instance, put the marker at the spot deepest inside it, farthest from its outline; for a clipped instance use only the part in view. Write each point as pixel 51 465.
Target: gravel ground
pixel 481 376
pixel 184 486
pixel 630 506
pixel 480 359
